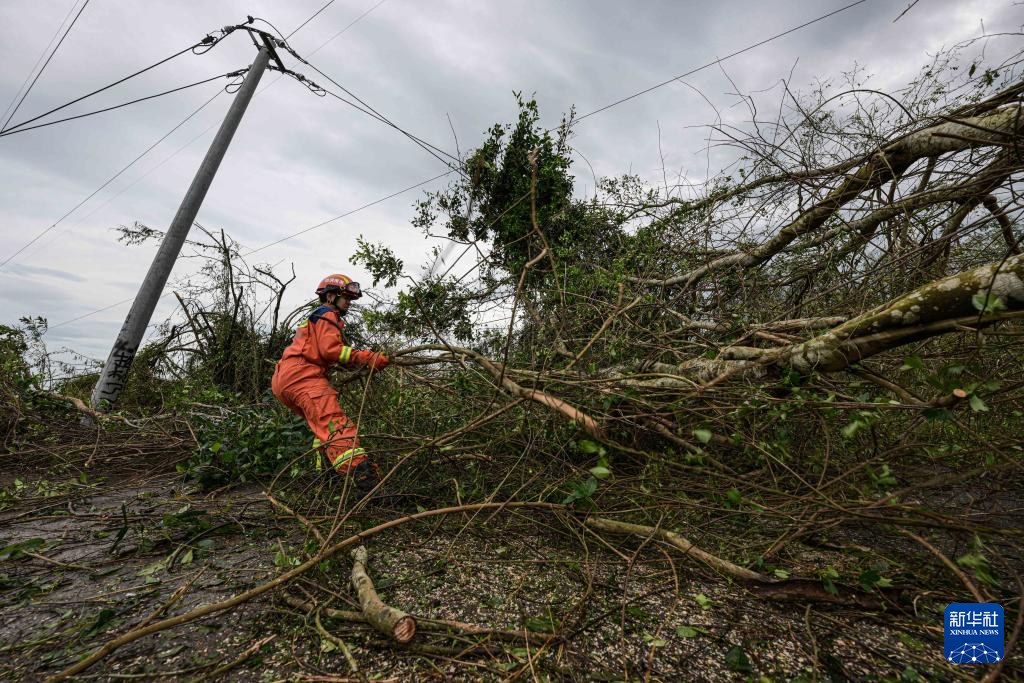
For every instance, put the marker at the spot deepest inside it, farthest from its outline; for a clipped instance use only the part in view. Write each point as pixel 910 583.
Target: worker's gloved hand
pixel 377 361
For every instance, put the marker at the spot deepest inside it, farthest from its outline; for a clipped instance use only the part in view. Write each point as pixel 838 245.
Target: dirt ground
pixel 87 559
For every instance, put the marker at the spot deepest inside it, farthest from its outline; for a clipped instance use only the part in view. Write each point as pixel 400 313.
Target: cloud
pixel 61 276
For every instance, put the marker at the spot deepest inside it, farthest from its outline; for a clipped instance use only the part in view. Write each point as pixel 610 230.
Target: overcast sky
pixel 298 160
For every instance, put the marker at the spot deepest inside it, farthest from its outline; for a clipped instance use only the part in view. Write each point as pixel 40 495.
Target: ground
pixel 89 558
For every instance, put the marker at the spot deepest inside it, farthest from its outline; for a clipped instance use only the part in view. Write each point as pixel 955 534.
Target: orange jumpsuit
pixel 300 383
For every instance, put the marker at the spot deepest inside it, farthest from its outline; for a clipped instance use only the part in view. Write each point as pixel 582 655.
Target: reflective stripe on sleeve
pixel 346 355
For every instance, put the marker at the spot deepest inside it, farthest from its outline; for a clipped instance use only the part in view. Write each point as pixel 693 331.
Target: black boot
pixel 365 478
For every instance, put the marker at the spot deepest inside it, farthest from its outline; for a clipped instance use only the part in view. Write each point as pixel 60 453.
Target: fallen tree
pixel 789 372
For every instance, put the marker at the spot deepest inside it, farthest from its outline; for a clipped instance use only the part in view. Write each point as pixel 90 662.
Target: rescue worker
pixel 300 380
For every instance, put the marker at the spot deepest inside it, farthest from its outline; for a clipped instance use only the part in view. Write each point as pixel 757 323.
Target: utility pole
pixel 115 373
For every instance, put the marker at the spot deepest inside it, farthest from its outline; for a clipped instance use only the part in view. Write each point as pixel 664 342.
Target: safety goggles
pixel 351 291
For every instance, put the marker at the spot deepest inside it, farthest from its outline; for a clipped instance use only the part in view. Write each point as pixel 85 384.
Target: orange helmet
pixel 341 284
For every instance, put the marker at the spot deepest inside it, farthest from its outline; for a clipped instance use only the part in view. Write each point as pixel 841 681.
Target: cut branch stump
pixel 392 622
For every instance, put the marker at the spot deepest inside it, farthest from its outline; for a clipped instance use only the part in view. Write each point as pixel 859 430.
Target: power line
pixel 722 59
pixel 42 54
pixel 349 213
pixel 208 43
pixel 311 18
pixel 110 180
pixel 91 313
pixel 18 106
pixel 347 27
pixel 181 123
pixel 326 42
pixel 431 149
pixel 209 40
pixel 270 244
pixel 230 74
pixel 147 173
pixel 187 118
pixel 134 182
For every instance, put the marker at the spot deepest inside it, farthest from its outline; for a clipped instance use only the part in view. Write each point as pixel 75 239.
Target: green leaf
pixel 736 659
pixel 911 642
pixel 977 405
pixel 655 642
pixel 589 447
pixel 543 624
pixel 638 613
pixel 16 550
pixel 979 563
pixel 600 472
pixel 686 632
pixel 703 435
pixel 827 575
pixel 735 497
pixel 912 363
pixel 581 491
pixel 104 617
pixel 170 652
pixel 186 558
pixel 852 428
pixel 871 579
pixel 153 568
pixel 702 600
pixel 942 414
pixel 781 573
pixel 988 302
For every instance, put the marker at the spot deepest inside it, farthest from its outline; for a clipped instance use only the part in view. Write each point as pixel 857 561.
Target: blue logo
pixel 973 633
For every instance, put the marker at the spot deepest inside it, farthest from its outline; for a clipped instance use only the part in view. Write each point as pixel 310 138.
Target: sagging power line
pixel 115 177
pixel 42 55
pixel 293 235
pixel 48 59
pixel 204 46
pixel 230 74
pixel 177 151
pixel 721 59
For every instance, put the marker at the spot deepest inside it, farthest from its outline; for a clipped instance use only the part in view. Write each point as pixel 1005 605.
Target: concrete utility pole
pixel 115 372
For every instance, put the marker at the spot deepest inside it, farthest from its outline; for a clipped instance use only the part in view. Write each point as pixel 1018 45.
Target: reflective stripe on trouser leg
pixel 318 449
pixel 338 436
pixel 348 460
pixel 343 446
